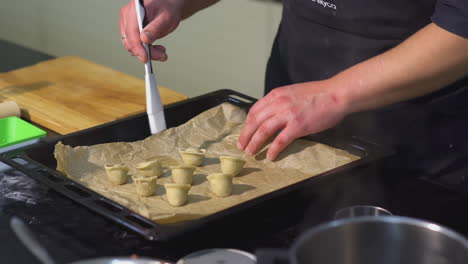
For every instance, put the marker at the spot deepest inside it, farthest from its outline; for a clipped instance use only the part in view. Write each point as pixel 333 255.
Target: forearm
pixel 193 6
pixel 427 61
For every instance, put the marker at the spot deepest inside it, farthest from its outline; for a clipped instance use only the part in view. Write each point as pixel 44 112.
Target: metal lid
pixel 219 255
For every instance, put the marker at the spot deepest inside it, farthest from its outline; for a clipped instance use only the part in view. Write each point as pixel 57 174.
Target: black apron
pixel 317 39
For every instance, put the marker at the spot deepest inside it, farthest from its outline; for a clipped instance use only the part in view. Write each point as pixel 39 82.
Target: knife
pixel 154 106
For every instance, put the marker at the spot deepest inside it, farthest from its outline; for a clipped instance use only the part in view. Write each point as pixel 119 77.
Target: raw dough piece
pixel 116 173
pixel 145 186
pixel 182 174
pixel 220 184
pixel 150 168
pixel 195 150
pixel 231 165
pixel 177 194
pixel 193 156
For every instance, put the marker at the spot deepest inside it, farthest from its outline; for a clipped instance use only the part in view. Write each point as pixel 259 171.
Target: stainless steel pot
pixel 383 240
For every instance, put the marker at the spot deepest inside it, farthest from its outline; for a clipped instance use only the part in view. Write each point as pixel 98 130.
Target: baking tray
pixel 38 162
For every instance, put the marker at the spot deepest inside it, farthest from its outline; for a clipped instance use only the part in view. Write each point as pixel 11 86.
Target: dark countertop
pixel 13 56
pixel 71 232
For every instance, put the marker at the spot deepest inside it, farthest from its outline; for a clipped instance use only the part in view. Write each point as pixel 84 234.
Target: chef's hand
pixel 296 110
pixel 163 17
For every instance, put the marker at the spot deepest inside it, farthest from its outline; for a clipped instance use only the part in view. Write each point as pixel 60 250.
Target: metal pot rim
pixel 120 260
pixel 365 206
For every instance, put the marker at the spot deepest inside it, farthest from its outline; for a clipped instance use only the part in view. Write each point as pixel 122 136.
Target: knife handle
pixel 140 10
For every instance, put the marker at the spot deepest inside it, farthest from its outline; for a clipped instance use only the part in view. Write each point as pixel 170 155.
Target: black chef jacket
pixel 319 38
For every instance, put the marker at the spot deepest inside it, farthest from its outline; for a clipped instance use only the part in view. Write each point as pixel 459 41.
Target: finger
pixel 123 35
pixel 267 101
pixel 286 137
pixel 257 107
pixel 133 34
pixel 156 29
pixel 158 53
pixel 259 112
pixel 263 133
pixel 254 119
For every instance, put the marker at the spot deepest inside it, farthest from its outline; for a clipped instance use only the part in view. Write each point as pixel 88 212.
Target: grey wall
pixel 225 46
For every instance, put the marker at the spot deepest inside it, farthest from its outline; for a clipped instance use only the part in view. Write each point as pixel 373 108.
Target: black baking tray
pixel 38 162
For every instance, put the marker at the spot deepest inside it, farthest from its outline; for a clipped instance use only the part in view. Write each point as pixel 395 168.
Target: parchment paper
pixel 216 130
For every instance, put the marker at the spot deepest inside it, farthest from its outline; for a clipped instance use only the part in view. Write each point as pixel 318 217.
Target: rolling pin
pixel 9 108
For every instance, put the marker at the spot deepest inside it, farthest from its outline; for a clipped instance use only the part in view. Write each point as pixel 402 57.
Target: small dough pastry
pixel 195 150
pixel 177 194
pixel 183 174
pixel 193 156
pixel 221 184
pixel 150 168
pixel 116 173
pixel 145 186
pixel 231 165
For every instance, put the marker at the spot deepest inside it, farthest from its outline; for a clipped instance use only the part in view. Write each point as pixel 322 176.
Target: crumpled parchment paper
pixel 216 130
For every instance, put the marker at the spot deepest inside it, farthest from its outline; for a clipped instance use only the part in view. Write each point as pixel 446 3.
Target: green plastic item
pixel 14 130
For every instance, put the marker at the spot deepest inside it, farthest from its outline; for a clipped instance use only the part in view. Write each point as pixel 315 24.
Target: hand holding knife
pixel 154 106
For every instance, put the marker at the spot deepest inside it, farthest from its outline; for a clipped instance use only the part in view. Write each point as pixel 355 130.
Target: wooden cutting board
pixel 68 94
